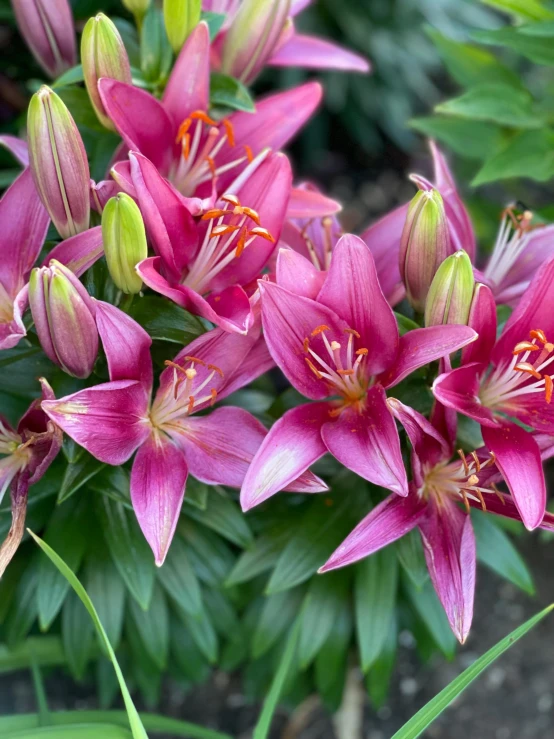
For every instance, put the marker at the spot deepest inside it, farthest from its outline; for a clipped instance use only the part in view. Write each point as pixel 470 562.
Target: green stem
pixel 126 302
pixel 40 694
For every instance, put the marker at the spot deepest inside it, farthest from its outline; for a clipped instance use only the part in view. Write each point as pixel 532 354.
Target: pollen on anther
pixel 314 369
pixel 213 393
pixel 524 346
pixel 204 117
pixel 528 369
pixel 190 358
pixel 320 329
pixel 263 232
pixel 228 197
pixel 353 332
pixel 538 334
pixel 191 404
pixel 548 387
pixel 216 369
pixel 249 152
pixel 306 344
pixel 363 351
pixel 229 131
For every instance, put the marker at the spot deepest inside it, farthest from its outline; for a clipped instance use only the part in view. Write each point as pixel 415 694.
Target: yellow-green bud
pixel 137 7
pixel 124 241
pixel 180 18
pixel 451 292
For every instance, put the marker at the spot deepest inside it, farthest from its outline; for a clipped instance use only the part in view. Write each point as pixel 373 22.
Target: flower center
pixel 458 481
pixel 340 368
pixel 186 392
pixel 320 241
pixel 523 375
pixel 226 237
pixel 6 305
pixel 202 138
pixel 512 239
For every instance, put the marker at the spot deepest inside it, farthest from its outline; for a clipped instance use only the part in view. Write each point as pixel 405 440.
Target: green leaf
pixel 77 473
pixel 375 600
pixel 495 549
pixel 197 493
pixel 153 627
pixel 69 77
pixel 426 715
pixel 215 22
pixel 405 324
pixel 545 29
pixel 189 659
pixel 263 725
pixel 75 731
pixel 42 650
pixel 332 661
pixel 23 610
pixel 525 10
pixel 106 590
pixel 113 482
pixel 412 558
pixel 80 107
pixel 129 36
pixel 77 635
pixel 155 51
pixel 65 530
pixel 261 556
pixel 222 612
pixel 146 673
pixel 227 92
pixel 469 65
pixel 129 550
pixel 469 433
pixel 379 676
pixel 223 516
pixel 324 525
pixel 431 612
pixel 179 580
pixel 136 725
pixel 166 321
pixel 324 601
pixel 527 154
pixel 538 50
pixel 209 555
pixel 202 633
pixel 472 139
pixel 497 103
pixel 278 612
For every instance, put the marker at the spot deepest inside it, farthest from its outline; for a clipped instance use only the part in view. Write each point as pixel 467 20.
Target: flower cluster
pixel 199 206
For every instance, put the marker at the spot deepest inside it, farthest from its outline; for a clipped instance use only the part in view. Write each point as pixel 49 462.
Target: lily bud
pixel 137 7
pixel 451 292
pixel 253 36
pixel 180 17
pixel 103 54
pixel 58 162
pixel 124 240
pixel 47 27
pixel 63 313
pixel 424 245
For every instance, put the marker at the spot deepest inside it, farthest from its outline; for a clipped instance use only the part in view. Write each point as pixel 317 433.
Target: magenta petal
pixel 78 252
pixel 13 331
pixel 110 421
pixel 482 319
pixel 297 274
pixel 288 320
pixel 141 121
pixel 449 546
pixel 423 345
pixel 368 443
pixel 518 458
pixel 121 173
pixel 459 389
pixel 126 344
pixel 158 480
pixel 257 362
pixel 17 147
pixel 383 239
pixel 307 202
pixel 292 445
pixel 352 290
pixel 220 446
pixel 387 522
pixel 169 224
pixel 315 53
pixel 231 308
pixel 188 87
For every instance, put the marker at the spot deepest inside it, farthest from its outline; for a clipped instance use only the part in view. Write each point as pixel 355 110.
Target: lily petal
pixel 383 239
pixel 316 53
pixel 79 252
pixel 459 389
pixel 158 480
pixel 17 147
pixel 367 442
pixel 306 201
pixel 292 445
pixel 482 319
pixel 298 275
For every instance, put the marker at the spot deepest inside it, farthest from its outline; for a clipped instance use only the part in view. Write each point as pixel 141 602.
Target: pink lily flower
pixel 257 33
pixel 343 351
pixel 115 419
pixel 438 485
pixel 205 265
pixel 506 379
pixel 178 136
pixel 26 455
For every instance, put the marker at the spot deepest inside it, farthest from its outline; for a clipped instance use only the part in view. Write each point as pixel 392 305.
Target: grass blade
pixel 134 720
pixel 426 715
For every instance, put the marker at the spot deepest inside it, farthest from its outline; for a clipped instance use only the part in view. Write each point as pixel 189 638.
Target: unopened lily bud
pixel 180 17
pixel 137 7
pixel 124 241
pixel 451 292
pixel 424 245
pixel 253 36
pixel 58 162
pixel 63 313
pixel 103 54
pixel 47 27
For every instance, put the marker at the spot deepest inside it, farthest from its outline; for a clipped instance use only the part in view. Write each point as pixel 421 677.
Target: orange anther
pixel 223 229
pixel 200 115
pixel 525 346
pixel 463 458
pixel 228 197
pixel 183 128
pixel 538 334
pixel 189 358
pixel 211 165
pixel 498 493
pixel 529 369
pixel 345 372
pixel 353 332
pixel 363 351
pixel 251 213
pixel 476 460
pixel 229 131
pixel 263 233
pixel 241 242
pixel 191 404
pixel 185 146
pixel 213 393
pixel 249 152
pixel 213 213
pixel 466 501
pixel 314 369
pixel 306 344
pixel 215 369
pixel 320 329
pixel 548 387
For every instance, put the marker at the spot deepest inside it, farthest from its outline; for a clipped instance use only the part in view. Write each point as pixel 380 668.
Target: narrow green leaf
pixel 545 29
pixel 424 717
pixel 405 324
pixel 106 590
pixel 44 650
pixel 412 558
pixel 379 676
pixel 179 580
pixel 222 612
pixel 209 555
pixel 497 103
pixel 147 676
pixel 155 51
pixel 197 493
pixel 40 694
pixel 215 22
pixel 136 725
pixel 261 731
pixel 113 482
pixel 77 635
pixel 525 10
pixel 77 474
pixel 261 556
pixel 278 612
pixel 332 661
pixel 469 138
pixel 75 731
pixel 153 626
pixel 227 92
pixel 129 35
pixel 432 614
pixel 223 516
pixel 202 632
pixel 527 154
pixel 376 584
pixel 23 610
pixel 130 552
pixel 495 549
pixel 192 664
pixel 538 49
pixel 324 601
pixel 166 321
pixel 70 77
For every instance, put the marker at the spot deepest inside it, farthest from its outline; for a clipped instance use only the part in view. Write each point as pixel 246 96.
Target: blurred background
pixel 360 148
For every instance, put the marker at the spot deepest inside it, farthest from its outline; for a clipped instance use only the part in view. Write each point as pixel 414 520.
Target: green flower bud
pixel 424 245
pixel 137 7
pixel 180 17
pixel 124 241
pixel 103 54
pixel 451 292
